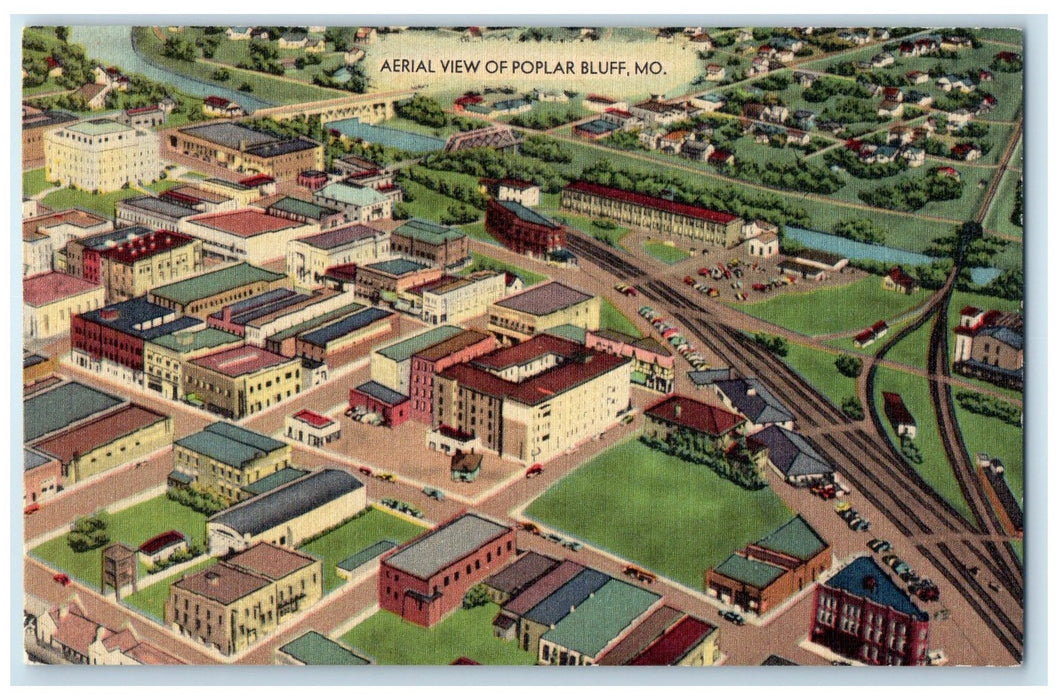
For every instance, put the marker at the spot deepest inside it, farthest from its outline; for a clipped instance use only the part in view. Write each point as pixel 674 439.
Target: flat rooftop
pixel 154 205
pixel 222 582
pixel 230 135
pixel 545 299
pixel 230 444
pixel 271 561
pixel 343 236
pixel 429 232
pixel 301 207
pixel 396 267
pixel 349 324
pixel 403 350
pixel 41 290
pixel 237 362
pixel 57 408
pixel 98 127
pixel 450 542
pixel 350 194
pixel 103 430
pixel 196 340
pixel 215 282
pixel 601 618
pixel 245 223
pixel 313 649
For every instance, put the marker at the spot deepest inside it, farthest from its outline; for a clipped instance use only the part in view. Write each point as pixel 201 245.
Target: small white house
pixel 765 245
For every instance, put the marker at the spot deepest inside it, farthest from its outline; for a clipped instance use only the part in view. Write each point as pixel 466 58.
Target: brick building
pixel 436 358
pixel 431 244
pixel 539 308
pixel 653 366
pixel 523 230
pixel 207 293
pixel 426 578
pixel 241 381
pixel 244 150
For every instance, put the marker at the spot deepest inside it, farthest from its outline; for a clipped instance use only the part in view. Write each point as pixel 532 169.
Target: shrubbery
pixel 992 407
pixel 849 366
pixel 852 408
pixel 197 500
pixel 477 596
pixel 89 533
pixel 774 344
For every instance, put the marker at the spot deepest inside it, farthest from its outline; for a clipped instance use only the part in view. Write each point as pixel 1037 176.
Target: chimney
pixel 869 583
pixel 213 578
pixel 678 410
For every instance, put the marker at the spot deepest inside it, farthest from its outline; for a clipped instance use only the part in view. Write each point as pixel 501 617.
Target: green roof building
pixel 313 649
pixel 796 538
pixel 755 573
pixel 391 365
pixel 433 244
pixel 227 459
pixel 598 623
pixel 207 293
pixel 273 481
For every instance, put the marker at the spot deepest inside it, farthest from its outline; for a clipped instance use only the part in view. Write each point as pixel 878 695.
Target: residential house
pixel 899 416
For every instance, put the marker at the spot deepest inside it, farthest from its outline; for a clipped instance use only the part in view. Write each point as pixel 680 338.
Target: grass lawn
pixel 102 204
pixel 477 231
pixel 428 204
pixel 390 640
pixel 355 535
pixel 998 217
pixel 587 225
pixel 849 307
pixel 133 526
pixel 913 349
pixel 1019 549
pixel 998 439
pixel 164 185
pixel 484 262
pixel 817 368
pixel 659 500
pixel 151 600
pixel 666 253
pixel 610 317
pixel 33 182
pixel 934 468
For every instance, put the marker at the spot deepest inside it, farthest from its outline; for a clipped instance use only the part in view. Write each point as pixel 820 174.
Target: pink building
pixel 460 348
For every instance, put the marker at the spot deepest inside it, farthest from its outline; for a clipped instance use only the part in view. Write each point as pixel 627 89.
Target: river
pixel 112 44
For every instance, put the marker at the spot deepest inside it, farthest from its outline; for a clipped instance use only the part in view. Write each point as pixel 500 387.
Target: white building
pixel 309 258
pixel 463 299
pixel 100 154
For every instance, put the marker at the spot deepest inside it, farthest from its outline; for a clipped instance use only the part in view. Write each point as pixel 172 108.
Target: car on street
pixel 534 470
pixel 552 537
pixel 732 616
pixel 530 528
pixel 890 559
pixel 573 545
pixel 860 524
pixel 62 578
pixel 365 471
pixel 842 506
pixel 410 510
pixel 848 515
pixel 389 502
pixel 879 545
pixel 386 476
pixel 433 493
pixel 625 420
pixel 31 509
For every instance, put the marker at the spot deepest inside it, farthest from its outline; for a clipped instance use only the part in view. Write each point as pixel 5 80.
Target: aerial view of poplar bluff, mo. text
pixel 512 345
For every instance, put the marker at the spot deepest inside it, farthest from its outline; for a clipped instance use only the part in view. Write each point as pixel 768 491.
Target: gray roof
pixel 705 377
pixel 274 480
pixel 450 542
pixel 230 444
pixel 760 407
pixel 280 505
pixel 792 454
pixel 279 148
pixel 552 609
pixel 545 299
pixel 137 317
pixel 65 404
pixel 229 134
pixel 358 559
pixel 31 459
pixel 396 266
pixel 521 574
pixel 526 214
pixel 164 207
pixel 361 319
pixel 335 238
pixel 1005 335
pixel 382 393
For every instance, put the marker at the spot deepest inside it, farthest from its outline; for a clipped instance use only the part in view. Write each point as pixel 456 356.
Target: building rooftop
pixel 155 205
pixel 316 420
pixel 190 341
pixel 382 393
pixel 229 134
pixel 449 542
pixel 295 498
pixel 641 636
pixel 98 127
pixel 403 350
pixel 261 306
pixel 452 345
pixel 358 559
pixel 796 538
pixel 688 210
pixel 282 148
pixel 554 608
pixel 521 574
pixel 545 299
pixel 64 405
pixel 600 620
pixel 140 318
pixel 526 214
pixel 568 331
pixel 31 459
pixel 237 362
pixel 791 453
pixel 820 256
pixel 542 588
pixel 198 193
pixel 688 413
pixel 343 236
pixel 351 195
pixel 230 444
pixel 271 561
pixel 215 282
pixel 317 322
pixel 274 480
pixel 748 571
pixel 776 660
pixel 102 430
pixel 160 542
pixel 429 232
pixel 864 578
pixel 396 266
pixel 221 582
pixel 896 410
pixel 47 288
pixel 301 207
pixel 675 644
pixel 45 118
pixel 754 400
pixel 244 223
pixel 313 649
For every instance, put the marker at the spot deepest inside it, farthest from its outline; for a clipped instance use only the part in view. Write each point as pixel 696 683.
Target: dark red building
pixel 424 364
pixel 862 614
pixel 523 230
pixel 393 406
pixel 426 578
pixel 117 333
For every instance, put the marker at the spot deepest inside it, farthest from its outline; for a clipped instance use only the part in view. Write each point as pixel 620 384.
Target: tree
pixel 477 596
pixel 852 408
pixel 848 365
pixel 62 33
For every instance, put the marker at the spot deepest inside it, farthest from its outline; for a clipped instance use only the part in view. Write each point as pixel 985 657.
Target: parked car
pixel 365 471
pixel 530 528
pixel 433 493
pixel 386 476
pixel 411 510
pixel 31 509
pixel 575 546
pixel 688 280
pixel 534 470
pixel 860 524
pixel 62 578
pixel 625 420
pixel 389 502
pixel 936 657
pixel 879 546
pixel 842 506
pixel 732 616
pixel 552 537
pixel 637 573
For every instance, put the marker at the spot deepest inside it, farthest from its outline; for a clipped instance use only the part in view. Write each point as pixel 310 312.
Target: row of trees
pixel 862 230
pixel 990 406
pixel 178 557
pixel 422 110
pixel 264 58
pixel 774 344
pixel 799 176
pixel 443 186
pixel 692 446
pixel 913 193
pixel 198 500
pixel 546 149
pixel 851 163
pixel 545 120
pixel 823 88
pixel 493 164
pixel 89 532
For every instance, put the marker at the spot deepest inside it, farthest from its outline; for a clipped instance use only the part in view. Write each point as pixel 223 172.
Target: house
pixel 893 93
pixel 315 44
pixel 773 114
pixel 697 150
pixel 917 77
pixel 676 414
pixel 293 40
pixel 601 103
pixel 161 547
pixel 899 417
pixel 949 172
pixel 754 402
pixel 804 119
pixel 365 35
pixel 721 156
pixel 94 95
pixel 765 245
pixel 792 457
pixel 216 106
pixel 715 72
pixel 899 281
pixel 918 98
pixel 708 103
pixel 891 108
pixel 758 66
pixel 965 151
pixel 673 141
pixel 915 157
pixel 804 78
pixel 465 466
pixel 883 60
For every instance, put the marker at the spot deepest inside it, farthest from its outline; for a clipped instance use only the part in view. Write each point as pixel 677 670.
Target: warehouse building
pixel 245 235
pixel 244 150
pixel 364 326
pixel 431 244
pixel 391 364
pixel 207 293
pixel 523 230
pixel 241 381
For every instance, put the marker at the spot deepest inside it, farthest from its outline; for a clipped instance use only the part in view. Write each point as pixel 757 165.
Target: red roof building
pixel 678 645
pixel 675 412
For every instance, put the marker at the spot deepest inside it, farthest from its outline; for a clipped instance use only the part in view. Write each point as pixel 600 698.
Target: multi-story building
pixel 35 123
pixel 241 381
pixel 100 154
pixel 653 213
pixel 426 578
pixel 123 435
pixel 111 340
pixel 391 364
pixel 248 235
pixel 243 195
pixel 163 357
pixel 306 212
pixel 360 204
pixel 388 278
pixel 436 358
pixel 264 315
pixel 205 201
pixel 462 299
pixel 61 227
pixel 657 113
pixel 748 397
pixel 287 515
pixel 990 345
pixel 244 150
pixel 364 326
pixel 431 244
pixel 676 413
pixel 765 574
pixel 690 642
pixel 62 407
pixel 523 230
pixel 533 401
pixel 50 302
pixel 209 292
pixel 860 613
pixel 225 458
pixel 309 258
pixel 233 603
pixel 539 308
pixel 131 262
pixel 153 212
pixel 285 342
pixel 653 366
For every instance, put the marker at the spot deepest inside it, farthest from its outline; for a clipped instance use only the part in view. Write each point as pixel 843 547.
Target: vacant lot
pixel 666 253
pixel 671 516
pixel 817 368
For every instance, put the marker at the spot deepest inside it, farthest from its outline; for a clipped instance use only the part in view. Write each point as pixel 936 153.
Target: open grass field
pixel 33 182
pixel 817 368
pixel 998 439
pixel 668 254
pixel 428 204
pixel 151 600
pixel 355 535
pixel 998 217
pixel 484 262
pixel 610 317
pixel 477 231
pixel 133 526
pixel 846 308
pixel 388 639
pixel 912 350
pixel 102 204
pixel 934 467
pixel 659 499
pixel 586 224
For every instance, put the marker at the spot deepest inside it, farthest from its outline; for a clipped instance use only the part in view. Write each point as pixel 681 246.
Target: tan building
pixel 34 123
pixel 309 258
pixel 241 194
pixel 163 357
pixel 545 306
pixel 100 154
pixel 241 381
pixel 236 602
pixel 208 293
pixel 225 458
pixel 653 213
pixel 249 235
pixel 244 150
pixel 388 278
pixel 289 514
pixel 50 300
pixel 462 299
pixel 533 401
pixel 64 226
pixel 391 364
